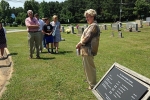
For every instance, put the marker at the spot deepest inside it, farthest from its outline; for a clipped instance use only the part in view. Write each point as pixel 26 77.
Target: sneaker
pixel 52 51
pixel 30 57
pixel 56 52
pixel 2 57
pixel 49 51
pixel 40 51
pixel 90 88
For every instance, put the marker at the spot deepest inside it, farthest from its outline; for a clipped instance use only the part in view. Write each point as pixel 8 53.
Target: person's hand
pixel 47 33
pixel 78 45
pixel 50 33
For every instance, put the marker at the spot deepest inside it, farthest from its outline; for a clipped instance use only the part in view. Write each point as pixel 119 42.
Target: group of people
pixel 37 29
pixel 41 33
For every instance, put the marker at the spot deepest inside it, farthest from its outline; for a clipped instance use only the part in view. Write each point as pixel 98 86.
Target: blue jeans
pixel 44 41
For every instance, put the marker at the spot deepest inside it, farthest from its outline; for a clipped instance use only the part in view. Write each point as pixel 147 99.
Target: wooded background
pixel 107 10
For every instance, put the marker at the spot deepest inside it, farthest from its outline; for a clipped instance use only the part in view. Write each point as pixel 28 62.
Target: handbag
pixel 53 34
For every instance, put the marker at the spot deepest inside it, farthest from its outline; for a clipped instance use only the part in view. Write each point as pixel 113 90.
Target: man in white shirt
pixel 41 22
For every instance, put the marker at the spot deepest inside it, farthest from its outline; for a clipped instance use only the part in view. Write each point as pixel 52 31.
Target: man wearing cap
pixel 32 25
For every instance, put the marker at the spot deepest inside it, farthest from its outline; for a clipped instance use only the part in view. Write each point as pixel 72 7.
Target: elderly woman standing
pixel 56 33
pixel 88 46
pixel 2 40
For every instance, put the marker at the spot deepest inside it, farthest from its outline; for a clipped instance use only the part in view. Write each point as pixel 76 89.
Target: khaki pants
pixel 33 37
pixel 90 70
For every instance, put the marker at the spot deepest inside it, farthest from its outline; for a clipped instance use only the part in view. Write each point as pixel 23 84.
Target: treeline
pixel 73 10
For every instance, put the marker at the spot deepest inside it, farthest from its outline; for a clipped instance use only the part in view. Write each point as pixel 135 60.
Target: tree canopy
pixel 73 10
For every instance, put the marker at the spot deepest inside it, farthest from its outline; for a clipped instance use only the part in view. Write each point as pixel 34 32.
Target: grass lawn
pixel 19 27
pixel 61 76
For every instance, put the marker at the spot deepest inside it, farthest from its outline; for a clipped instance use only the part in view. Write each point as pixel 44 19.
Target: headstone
pixel 119 23
pixel 80 30
pixel 148 21
pixel 103 27
pixel 121 83
pixel 72 29
pixel 115 26
pixel 132 26
pixel 62 28
pixel 120 34
pixel 112 34
pixel 85 26
pixel 140 23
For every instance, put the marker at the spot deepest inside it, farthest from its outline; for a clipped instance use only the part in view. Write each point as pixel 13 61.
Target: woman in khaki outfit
pixel 88 46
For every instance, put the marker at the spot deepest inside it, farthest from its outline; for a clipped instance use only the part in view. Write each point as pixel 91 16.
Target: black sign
pixel 117 85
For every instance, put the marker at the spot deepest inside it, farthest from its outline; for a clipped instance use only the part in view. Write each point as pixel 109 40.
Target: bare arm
pixel 33 26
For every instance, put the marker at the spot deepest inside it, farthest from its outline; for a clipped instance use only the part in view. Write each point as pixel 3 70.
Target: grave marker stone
pixel 140 23
pixel 103 27
pixel 132 26
pixel 62 29
pixel 148 21
pixel 72 29
pixel 80 30
pixel 116 27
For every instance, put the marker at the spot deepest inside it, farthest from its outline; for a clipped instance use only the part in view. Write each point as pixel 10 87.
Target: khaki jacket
pixel 90 40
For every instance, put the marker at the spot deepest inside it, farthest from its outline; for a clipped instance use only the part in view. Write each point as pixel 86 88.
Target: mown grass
pixel 61 76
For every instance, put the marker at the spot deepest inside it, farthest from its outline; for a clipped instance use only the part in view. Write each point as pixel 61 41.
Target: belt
pixel 33 31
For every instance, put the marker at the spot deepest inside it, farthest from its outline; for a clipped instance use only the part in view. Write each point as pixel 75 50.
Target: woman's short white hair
pixel 91 12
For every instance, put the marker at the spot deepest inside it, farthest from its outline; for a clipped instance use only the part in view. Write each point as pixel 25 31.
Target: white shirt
pixel 4 30
pixel 41 22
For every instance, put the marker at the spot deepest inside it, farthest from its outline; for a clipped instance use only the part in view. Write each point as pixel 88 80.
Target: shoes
pixel 49 51
pixel 30 57
pixel 37 57
pixel 90 87
pixel 85 81
pixel 40 51
pixel 56 52
pixel 2 57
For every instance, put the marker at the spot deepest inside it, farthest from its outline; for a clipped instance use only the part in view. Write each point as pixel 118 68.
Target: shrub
pixel 14 25
pixel 68 31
